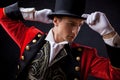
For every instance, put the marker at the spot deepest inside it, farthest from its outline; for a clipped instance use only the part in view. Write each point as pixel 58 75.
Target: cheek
pixel 64 34
pixel 77 30
pixel 65 30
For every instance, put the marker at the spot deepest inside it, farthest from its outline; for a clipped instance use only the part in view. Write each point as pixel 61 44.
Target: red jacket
pixel 91 63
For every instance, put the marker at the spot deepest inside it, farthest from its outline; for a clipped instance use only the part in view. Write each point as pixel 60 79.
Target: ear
pixel 55 21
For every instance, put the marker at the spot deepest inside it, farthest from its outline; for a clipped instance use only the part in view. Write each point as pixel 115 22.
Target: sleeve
pixel 13 12
pixel 113 41
pixel 15 28
pixel 106 68
pixel 114 55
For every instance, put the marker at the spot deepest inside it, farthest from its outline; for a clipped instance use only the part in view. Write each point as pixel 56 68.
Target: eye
pixel 71 24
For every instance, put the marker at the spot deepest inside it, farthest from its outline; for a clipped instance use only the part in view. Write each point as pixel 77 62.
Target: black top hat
pixel 72 8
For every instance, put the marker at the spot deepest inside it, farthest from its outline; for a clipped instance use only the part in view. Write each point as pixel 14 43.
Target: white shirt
pixel 54 47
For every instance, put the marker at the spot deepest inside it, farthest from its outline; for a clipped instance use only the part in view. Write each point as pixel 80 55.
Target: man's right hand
pixel 99 23
pixel 33 15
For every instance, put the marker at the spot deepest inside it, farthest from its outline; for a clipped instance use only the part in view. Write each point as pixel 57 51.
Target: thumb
pixel 85 15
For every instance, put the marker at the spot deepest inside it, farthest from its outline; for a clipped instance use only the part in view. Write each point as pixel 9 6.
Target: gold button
pixel 39 35
pixel 75 78
pixel 22 57
pixel 34 40
pixel 78 58
pixel 79 49
pixel 16 76
pixel 18 66
pixel 27 48
pixel 77 68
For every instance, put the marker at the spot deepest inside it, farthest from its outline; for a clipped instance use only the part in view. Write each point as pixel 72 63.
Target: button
pixel 16 76
pixel 18 66
pixel 22 57
pixel 34 40
pixel 75 78
pixel 39 35
pixel 78 58
pixel 77 68
pixel 27 48
pixel 79 49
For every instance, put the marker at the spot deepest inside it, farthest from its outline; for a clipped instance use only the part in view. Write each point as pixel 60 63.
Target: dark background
pixel 86 35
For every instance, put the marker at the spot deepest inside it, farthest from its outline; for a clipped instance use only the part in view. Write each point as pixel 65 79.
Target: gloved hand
pixel 42 16
pixel 98 22
pixel 33 15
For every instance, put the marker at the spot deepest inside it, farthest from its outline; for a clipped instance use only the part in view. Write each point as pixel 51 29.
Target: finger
pixel 85 15
pixel 92 18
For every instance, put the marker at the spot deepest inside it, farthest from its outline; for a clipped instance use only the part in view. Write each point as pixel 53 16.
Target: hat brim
pixel 51 16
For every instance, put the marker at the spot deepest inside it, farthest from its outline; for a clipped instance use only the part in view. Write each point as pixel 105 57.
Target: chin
pixel 70 41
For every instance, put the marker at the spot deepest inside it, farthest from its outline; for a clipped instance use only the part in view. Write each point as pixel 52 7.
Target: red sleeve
pixel 102 68
pixel 17 30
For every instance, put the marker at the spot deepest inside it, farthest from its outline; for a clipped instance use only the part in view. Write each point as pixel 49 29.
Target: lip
pixel 71 37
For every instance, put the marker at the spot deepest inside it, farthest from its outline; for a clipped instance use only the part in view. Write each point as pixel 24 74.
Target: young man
pixel 55 56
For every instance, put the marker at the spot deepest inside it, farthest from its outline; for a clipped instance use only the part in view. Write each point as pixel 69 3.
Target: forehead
pixel 72 19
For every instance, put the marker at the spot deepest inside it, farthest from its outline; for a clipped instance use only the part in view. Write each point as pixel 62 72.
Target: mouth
pixel 71 37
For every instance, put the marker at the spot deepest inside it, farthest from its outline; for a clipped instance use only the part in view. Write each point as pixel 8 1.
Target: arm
pixel 99 23
pixel 112 39
pixel 18 15
pixel 14 26
pixel 102 68
pixel 14 12
pixel 10 26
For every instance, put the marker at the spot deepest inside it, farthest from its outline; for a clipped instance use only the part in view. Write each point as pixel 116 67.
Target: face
pixel 66 28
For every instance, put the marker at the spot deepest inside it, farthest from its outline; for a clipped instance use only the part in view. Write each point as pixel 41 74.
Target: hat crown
pixel 73 8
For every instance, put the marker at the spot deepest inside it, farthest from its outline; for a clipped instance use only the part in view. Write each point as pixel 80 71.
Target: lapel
pixel 63 52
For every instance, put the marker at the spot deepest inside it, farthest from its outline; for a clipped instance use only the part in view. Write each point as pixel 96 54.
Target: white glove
pixel 98 22
pixel 33 15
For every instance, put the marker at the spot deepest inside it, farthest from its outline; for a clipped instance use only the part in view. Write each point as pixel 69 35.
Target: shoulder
pixel 77 45
pixel 83 49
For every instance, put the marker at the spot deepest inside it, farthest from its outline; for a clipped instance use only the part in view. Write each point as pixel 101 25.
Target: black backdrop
pixel 86 35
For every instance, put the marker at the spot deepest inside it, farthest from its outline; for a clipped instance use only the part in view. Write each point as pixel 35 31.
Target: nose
pixel 76 29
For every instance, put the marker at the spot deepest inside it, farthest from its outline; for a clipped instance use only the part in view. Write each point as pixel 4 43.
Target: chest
pixel 65 66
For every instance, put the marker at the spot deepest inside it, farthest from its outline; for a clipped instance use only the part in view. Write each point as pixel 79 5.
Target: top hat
pixel 71 8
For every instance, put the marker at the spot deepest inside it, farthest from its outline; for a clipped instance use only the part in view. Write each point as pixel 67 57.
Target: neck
pixel 56 36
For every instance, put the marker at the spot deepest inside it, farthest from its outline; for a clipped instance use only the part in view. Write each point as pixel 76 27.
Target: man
pixel 55 56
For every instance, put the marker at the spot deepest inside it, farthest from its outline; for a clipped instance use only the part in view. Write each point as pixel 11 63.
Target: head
pixel 66 28
pixel 67 19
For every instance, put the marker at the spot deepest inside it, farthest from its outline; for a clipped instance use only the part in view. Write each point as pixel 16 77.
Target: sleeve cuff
pixel 114 41
pixel 13 12
pixel 114 55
